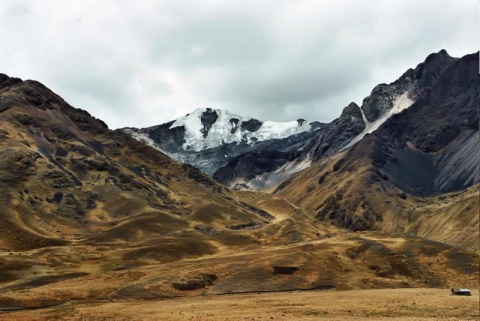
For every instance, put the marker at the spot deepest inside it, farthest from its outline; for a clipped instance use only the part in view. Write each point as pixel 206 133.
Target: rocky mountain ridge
pixel 415 174
pixel 252 163
pixel 209 138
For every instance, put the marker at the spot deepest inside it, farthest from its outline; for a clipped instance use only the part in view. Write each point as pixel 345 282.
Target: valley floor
pixel 385 304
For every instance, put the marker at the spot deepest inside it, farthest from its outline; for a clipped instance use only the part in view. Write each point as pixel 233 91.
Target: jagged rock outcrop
pixel 416 82
pixel 338 133
pixel 432 147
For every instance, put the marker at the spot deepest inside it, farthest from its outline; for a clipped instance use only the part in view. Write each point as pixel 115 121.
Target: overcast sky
pixel 142 63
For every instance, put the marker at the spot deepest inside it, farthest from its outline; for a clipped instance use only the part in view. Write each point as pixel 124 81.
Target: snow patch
pixel 401 103
pixel 293 167
pixel 268 180
pixel 221 131
pixel 143 138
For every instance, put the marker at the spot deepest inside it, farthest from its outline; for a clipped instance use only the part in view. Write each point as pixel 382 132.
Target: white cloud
pixel 146 62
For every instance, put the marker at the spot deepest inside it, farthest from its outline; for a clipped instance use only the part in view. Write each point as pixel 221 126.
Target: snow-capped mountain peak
pixel 208 128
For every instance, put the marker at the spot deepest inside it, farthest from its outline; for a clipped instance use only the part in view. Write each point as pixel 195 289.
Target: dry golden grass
pixel 185 268
pixel 351 197
pixel 392 304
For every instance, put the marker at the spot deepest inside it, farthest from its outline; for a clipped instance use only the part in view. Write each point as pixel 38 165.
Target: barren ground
pixel 386 304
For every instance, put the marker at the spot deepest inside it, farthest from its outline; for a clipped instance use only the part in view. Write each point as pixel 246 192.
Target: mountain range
pixel 415 138
pixel 246 153
pixel 385 196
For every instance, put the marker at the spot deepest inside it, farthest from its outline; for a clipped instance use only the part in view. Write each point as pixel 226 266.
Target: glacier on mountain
pixel 227 128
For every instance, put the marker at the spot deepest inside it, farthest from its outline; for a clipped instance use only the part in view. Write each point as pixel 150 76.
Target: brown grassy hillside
pixel 89 214
pixel 66 178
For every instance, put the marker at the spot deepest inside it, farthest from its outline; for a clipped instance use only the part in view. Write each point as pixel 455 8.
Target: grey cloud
pixel 221 41
pixel 145 62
